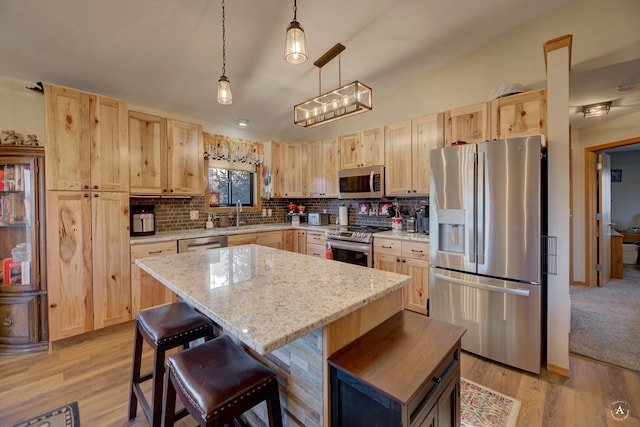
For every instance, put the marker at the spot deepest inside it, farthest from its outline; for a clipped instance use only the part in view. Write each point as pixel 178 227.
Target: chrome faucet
pixel 238 210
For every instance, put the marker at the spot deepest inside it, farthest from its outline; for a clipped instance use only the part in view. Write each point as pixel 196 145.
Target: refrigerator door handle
pixel 519 292
pixel 480 206
pixel 371 181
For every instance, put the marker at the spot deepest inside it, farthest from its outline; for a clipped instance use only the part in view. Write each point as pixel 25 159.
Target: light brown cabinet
pixel 323 162
pixel 470 124
pixel 166 156
pixel 519 115
pixel 272 239
pixel 87 219
pixel 87 141
pixel 148 152
pixel 87 261
pixel 288 169
pixel 145 291
pixel 362 149
pixel 410 258
pixel 408 152
pixel 316 244
pixel 301 242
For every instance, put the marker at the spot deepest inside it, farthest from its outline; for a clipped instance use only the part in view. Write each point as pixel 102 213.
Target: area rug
pixel 65 416
pixel 483 407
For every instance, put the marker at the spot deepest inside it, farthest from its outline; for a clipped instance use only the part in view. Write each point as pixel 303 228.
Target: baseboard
pixel 565 372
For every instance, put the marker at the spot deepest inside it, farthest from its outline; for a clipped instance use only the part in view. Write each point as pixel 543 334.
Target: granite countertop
pixel 403 235
pixel 218 231
pixel 268 297
pixel 187 234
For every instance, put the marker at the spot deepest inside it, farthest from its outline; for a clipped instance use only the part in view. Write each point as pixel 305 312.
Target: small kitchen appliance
pixel 142 220
pixel 422 220
pixel 318 218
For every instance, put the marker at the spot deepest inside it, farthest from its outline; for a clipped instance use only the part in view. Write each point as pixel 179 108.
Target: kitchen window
pixel 228 183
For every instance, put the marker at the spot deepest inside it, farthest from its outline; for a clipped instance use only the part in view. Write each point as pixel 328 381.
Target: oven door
pixel 352 252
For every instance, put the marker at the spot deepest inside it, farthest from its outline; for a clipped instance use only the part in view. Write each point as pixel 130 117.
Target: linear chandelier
pixel 348 100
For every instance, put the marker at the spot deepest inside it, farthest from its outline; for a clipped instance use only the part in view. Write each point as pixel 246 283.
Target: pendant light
pixel 224 86
pixel 295 47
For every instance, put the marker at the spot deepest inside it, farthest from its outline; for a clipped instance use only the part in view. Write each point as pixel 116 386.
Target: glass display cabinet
pixel 23 321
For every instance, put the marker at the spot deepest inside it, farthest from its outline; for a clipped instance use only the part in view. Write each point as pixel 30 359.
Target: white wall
pixel 619 129
pixel 21 110
pixel 625 195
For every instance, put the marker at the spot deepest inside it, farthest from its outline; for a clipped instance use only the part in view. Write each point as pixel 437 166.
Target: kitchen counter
pixel 403 235
pixel 222 231
pixel 293 311
pixel 269 297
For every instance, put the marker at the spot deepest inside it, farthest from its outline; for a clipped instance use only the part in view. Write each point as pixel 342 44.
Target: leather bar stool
pixel 217 382
pixel 163 328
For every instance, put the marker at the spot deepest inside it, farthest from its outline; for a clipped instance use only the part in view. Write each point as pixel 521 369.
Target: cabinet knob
pixel 54 305
pixel 85 195
pixel 8 322
pixel 85 187
pixel 95 187
pixel 95 195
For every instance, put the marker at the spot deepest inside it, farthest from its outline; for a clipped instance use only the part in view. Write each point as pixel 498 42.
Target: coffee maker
pixel 422 219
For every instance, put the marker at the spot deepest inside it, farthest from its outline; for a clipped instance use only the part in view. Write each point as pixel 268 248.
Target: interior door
pixel 604 224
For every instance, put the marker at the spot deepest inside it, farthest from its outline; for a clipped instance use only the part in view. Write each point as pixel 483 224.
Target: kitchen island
pixel 290 310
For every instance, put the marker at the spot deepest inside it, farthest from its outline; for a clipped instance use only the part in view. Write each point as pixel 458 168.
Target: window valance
pixel 235 150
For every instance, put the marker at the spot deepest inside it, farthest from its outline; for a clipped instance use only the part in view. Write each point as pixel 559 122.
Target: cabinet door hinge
pixel 598 217
pixel 598 166
pixel 598 267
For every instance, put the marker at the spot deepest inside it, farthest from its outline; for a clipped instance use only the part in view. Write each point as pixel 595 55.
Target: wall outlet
pixel 193 215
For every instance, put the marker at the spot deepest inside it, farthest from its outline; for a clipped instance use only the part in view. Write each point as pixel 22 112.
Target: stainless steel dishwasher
pixel 201 243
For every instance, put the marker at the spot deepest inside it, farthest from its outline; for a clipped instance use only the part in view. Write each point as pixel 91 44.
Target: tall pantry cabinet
pixel 23 320
pixel 87 183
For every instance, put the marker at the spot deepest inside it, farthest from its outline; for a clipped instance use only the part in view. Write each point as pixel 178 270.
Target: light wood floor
pixel 94 370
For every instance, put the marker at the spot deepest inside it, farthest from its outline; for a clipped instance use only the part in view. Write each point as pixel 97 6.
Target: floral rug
pixel 65 416
pixel 482 407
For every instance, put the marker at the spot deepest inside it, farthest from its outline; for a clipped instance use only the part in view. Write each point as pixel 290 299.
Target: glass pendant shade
pixel 224 91
pixel 295 49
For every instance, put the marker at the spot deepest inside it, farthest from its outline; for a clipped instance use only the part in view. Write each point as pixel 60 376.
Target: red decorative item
pixel 328 253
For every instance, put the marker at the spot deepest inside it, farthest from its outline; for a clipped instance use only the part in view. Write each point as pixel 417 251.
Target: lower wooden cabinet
pixel 271 239
pixel 410 258
pixel 145 291
pixel 22 323
pixel 316 244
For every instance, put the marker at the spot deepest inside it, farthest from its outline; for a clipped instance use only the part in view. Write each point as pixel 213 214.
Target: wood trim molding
pixel 558 370
pixel 555 44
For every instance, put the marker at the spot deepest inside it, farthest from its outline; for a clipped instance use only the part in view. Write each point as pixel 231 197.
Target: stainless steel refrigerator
pixel 488 209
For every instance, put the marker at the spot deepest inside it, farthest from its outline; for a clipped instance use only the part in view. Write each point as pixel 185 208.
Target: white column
pixel 558 57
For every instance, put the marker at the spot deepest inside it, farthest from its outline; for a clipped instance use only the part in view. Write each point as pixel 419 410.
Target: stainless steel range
pixel 353 245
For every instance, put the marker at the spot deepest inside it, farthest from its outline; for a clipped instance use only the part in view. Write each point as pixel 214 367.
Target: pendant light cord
pixel 295 10
pixel 224 44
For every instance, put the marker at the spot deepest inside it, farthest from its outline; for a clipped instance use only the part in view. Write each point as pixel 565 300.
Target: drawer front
pixel 19 320
pixel 424 399
pixel 317 251
pixel 387 246
pixel 316 238
pixel 153 249
pixel 415 250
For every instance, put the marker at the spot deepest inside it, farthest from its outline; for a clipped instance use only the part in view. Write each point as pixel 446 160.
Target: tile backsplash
pixel 173 214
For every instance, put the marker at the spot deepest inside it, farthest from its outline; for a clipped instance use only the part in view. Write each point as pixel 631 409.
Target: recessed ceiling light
pixel 243 122
pixel 625 87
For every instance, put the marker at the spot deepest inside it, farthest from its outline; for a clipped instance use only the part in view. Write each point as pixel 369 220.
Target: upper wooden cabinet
pixel 323 165
pixel 166 156
pixel 87 141
pixel 185 159
pixel 362 149
pixel 288 169
pixel 519 115
pixel 470 124
pixel 148 149
pixel 408 146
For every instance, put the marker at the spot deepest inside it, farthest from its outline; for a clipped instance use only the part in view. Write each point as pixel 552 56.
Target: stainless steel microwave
pixel 361 183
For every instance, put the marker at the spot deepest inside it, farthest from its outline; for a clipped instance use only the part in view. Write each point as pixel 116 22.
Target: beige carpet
pixel 605 321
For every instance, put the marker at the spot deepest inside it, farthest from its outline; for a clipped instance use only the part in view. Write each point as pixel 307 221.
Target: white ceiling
pixel 167 54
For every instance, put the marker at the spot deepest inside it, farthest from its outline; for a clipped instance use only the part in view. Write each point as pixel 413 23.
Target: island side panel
pixel 302 366
pixel 347 329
